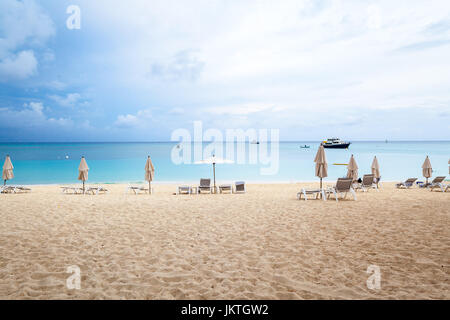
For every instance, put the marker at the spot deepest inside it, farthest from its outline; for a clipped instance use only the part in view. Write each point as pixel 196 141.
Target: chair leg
pixel 354 193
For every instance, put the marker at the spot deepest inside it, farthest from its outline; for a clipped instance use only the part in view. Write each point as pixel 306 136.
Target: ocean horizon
pixel 123 162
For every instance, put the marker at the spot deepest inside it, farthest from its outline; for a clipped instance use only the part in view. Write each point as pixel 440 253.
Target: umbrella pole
pixel 320 187
pixel 149 187
pixel 4 182
pixel 83 187
pixel 214 172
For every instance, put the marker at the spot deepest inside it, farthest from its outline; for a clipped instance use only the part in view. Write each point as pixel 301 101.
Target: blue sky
pixel 137 70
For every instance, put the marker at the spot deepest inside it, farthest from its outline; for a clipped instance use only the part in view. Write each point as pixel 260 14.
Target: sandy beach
pixel 264 244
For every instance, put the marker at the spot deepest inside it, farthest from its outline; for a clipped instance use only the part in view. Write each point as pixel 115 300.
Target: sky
pixel 138 70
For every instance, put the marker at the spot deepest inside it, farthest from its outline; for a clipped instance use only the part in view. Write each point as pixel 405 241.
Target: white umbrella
pixel 375 168
pixel 427 170
pixel 7 173
pixel 214 160
pixel 83 171
pixel 352 169
pixel 149 173
pixel 321 164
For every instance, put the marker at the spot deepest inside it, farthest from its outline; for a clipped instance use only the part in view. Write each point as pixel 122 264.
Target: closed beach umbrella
pixel 149 173
pixel 213 160
pixel 352 169
pixel 376 169
pixel 83 170
pixel 321 164
pixel 8 173
pixel 427 170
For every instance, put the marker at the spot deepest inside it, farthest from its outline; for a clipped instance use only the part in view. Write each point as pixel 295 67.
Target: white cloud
pixel 23 24
pixel 127 121
pixel 30 116
pixel 70 100
pixel 19 66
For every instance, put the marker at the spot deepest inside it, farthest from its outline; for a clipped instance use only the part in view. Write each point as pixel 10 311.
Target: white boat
pixel 335 143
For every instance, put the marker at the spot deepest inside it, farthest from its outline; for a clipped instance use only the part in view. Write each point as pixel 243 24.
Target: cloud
pixel 19 66
pixel 23 24
pixel 70 100
pixel 240 109
pixel 30 116
pixel 141 119
pixel 184 65
pixel 126 121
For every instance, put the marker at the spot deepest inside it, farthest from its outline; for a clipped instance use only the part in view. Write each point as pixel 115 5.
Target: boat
pixel 335 143
pixel 305 147
pixel 254 142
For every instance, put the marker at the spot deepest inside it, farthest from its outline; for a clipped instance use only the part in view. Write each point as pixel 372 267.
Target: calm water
pixel 46 163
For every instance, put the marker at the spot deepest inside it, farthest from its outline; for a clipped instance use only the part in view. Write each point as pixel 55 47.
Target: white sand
pixel 261 245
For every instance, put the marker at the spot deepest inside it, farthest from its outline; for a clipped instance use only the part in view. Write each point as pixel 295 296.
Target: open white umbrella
pixel 376 169
pixel 7 173
pixel 321 164
pixel 214 160
pixel 352 169
pixel 149 173
pixel 83 171
pixel 427 170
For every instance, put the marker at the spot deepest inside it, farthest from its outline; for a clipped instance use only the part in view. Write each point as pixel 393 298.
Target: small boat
pixel 305 147
pixel 254 142
pixel 335 143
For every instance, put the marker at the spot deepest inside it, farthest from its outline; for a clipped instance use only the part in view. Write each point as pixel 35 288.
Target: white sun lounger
pixel 407 184
pixel 96 190
pixel 316 192
pixel 438 183
pixel 137 189
pixel 342 187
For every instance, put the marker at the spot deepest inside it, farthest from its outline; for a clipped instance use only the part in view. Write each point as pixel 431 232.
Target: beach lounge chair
pixel 407 184
pixel 316 192
pixel 225 187
pixel 72 190
pixel 7 189
pixel 21 189
pixel 342 187
pixel 96 190
pixel 239 187
pixel 184 190
pixel 137 189
pixel 205 185
pixel 368 182
pixel 438 183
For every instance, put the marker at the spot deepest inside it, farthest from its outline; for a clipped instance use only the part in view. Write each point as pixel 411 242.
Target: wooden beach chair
pixel 438 183
pixel 239 187
pixel 407 184
pixel 342 187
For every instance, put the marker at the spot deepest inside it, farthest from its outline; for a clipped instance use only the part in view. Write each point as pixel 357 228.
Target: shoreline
pixel 176 183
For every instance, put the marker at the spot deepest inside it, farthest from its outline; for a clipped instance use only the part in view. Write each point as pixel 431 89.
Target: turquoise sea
pixel 54 163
